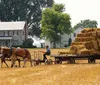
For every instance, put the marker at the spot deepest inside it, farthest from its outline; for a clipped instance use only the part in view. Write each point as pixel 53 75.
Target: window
pixel 6 33
pixel 19 32
pixel 1 33
pixel 15 32
pixel 10 33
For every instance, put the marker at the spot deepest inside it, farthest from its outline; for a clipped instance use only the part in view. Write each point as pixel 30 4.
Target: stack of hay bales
pixel 87 42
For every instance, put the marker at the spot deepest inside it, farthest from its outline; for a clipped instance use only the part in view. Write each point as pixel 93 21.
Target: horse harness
pixel 26 52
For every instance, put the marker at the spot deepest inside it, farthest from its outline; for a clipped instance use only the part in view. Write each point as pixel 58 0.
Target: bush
pixel 28 43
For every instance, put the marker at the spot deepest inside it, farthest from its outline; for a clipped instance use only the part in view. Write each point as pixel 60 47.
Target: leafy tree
pixel 24 10
pixel 55 23
pixel 86 24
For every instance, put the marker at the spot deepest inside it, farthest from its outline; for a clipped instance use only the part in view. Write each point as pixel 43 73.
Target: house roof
pixel 18 25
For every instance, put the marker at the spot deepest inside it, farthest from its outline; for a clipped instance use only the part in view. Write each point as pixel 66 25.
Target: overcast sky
pixel 82 9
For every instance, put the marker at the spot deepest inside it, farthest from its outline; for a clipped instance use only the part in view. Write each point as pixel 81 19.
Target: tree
pixel 86 24
pixel 28 43
pixel 55 23
pixel 24 10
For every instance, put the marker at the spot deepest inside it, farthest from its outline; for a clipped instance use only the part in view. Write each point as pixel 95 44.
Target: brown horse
pixel 6 55
pixel 15 53
pixel 3 57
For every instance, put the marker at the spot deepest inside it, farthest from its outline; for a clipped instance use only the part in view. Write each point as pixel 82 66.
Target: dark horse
pixel 15 54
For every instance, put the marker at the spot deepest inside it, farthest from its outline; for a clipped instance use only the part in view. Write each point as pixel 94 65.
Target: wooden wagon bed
pixel 72 58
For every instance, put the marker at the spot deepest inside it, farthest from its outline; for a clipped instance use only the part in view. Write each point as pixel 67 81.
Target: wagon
pixel 58 59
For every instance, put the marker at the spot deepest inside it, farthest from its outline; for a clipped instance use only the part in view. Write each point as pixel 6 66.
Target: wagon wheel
pixel 50 62
pixel 58 61
pixel 72 60
pixel 91 60
pixel 47 62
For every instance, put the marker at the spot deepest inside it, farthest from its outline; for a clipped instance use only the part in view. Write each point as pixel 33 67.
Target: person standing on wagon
pixel 48 52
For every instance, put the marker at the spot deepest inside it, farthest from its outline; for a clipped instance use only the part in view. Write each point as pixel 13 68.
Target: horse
pixel 16 53
pixel 5 55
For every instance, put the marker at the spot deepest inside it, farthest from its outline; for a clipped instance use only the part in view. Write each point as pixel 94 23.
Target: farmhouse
pixel 13 33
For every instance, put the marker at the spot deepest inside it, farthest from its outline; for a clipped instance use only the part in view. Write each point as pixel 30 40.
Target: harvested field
pixel 62 74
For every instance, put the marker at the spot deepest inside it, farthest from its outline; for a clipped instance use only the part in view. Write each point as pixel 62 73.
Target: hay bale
pixel 89 45
pixel 98 29
pixel 83 39
pixel 95 44
pixel 86 30
pixel 63 53
pixel 98 41
pixel 98 33
pixel 94 52
pixel 85 52
pixel 81 35
pixel 76 48
pixel 94 33
pixel 88 34
pixel 77 43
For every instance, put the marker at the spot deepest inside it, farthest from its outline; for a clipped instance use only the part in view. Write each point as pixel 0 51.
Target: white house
pixel 64 39
pixel 73 35
pixel 13 33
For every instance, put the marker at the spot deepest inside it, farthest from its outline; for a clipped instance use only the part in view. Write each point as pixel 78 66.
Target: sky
pixel 81 10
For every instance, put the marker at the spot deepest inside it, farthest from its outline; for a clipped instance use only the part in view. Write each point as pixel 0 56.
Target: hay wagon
pixel 85 46
pixel 58 59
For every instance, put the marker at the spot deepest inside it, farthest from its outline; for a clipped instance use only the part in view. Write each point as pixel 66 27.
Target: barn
pixel 13 33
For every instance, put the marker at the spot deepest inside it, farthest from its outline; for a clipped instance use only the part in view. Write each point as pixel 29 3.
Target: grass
pixel 61 74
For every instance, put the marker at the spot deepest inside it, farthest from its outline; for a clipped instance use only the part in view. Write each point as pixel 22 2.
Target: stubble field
pixel 80 73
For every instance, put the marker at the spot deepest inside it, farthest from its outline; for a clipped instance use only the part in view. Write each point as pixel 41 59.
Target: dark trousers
pixel 44 55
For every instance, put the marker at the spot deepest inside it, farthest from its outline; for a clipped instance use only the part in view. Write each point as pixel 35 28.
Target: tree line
pixel 24 10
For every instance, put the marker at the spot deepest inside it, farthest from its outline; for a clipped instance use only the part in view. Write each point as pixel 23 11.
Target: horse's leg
pixel 24 62
pixel 31 62
pixel 13 63
pixel 6 63
pixel 18 61
pixel 1 62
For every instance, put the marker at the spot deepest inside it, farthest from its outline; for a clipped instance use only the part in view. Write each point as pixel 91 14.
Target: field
pixel 80 73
